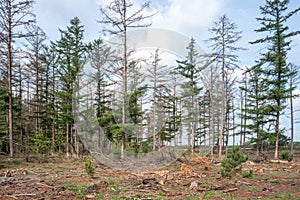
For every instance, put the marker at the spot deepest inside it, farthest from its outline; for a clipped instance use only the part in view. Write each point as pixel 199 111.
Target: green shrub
pixel 286 155
pixel 90 169
pixel 248 174
pixel 232 163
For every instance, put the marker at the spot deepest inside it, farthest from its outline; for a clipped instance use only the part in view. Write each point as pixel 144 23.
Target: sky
pixel 192 18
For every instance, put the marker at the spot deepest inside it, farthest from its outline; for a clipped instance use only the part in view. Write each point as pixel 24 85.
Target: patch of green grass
pixel 285 195
pixel 275 181
pixel 100 196
pixel 247 174
pixel 80 190
pixel 213 194
pixel 193 198
pixel 111 182
pixel 160 193
pixel 11 164
pixel 218 194
pixel 205 185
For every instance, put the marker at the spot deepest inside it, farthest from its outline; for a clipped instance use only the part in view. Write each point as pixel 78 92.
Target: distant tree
pixel 48 59
pixel 255 105
pixel 275 14
pixel 72 57
pixel 35 49
pixel 158 75
pixel 190 70
pixel 15 15
pixel 294 80
pixel 211 81
pixel 121 16
pixel 99 57
pixel 224 48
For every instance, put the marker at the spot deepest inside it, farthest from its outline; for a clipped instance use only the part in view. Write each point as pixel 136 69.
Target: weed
pixel 286 155
pixel 248 174
pixel 80 190
pixel 275 181
pixel 213 194
pixel 111 182
pixel 90 169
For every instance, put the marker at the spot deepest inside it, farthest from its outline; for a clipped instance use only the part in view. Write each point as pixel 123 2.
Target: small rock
pixel 193 185
pixel 90 196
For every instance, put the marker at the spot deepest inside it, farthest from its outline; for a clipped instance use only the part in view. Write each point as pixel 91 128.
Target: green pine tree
pixel 277 38
pixel 72 57
pixel 190 70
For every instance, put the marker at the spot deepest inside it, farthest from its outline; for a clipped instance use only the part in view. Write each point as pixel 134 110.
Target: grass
pixel 80 190
pixel 275 181
pixel 213 194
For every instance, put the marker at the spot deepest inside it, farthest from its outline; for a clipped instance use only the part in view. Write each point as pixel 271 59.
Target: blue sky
pixel 189 17
pixel 192 18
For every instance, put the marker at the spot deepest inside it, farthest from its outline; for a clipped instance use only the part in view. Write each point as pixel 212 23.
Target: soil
pixel 190 177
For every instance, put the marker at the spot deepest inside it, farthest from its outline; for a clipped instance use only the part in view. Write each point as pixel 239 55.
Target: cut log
pixel 279 161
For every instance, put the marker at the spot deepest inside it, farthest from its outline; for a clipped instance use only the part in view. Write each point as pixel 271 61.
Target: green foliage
pixel 80 190
pixel 41 142
pixel 248 174
pixel 275 71
pixel 232 163
pixel 90 169
pixel 286 155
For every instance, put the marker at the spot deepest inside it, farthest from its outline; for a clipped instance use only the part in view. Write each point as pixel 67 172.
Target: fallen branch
pixel 20 195
pixel 230 190
pixel 279 161
pixel 12 197
pixel 45 185
pixel 202 196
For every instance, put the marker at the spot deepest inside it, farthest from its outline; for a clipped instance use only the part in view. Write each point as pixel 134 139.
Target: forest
pixel 126 105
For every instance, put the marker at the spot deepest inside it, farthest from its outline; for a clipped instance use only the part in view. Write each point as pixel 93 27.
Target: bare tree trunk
pixel 193 126
pixel 277 134
pixel 223 102
pixel 233 124
pixel 124 88
pixel 154 110
pixel 292 117
pixel 9 80
pixel 67 141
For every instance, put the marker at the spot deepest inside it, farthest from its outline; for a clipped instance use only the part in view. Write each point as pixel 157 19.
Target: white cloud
pixel 187 16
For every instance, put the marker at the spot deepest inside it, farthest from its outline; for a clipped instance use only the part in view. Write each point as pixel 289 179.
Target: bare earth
pixel 190 177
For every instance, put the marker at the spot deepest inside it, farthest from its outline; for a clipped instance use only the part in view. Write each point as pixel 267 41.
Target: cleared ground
pixel 191 177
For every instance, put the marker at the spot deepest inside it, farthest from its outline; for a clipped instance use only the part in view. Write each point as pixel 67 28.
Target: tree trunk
pixel 292 118
pixel 9 80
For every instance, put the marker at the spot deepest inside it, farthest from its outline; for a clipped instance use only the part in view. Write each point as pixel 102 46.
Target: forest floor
pixel 191 177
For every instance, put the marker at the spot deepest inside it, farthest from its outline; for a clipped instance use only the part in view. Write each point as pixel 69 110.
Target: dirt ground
pixel 190 177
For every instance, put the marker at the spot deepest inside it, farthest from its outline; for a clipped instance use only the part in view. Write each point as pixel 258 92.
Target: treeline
pixel 141 105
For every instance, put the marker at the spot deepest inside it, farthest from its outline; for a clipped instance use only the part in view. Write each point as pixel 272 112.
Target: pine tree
pixel 71 59
pixel 190 70
pixel 275 14
pixel 255 105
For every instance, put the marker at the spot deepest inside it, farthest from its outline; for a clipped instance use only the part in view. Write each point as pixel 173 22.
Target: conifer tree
pixel 190 70
pixel 277 38
pixel 72 57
